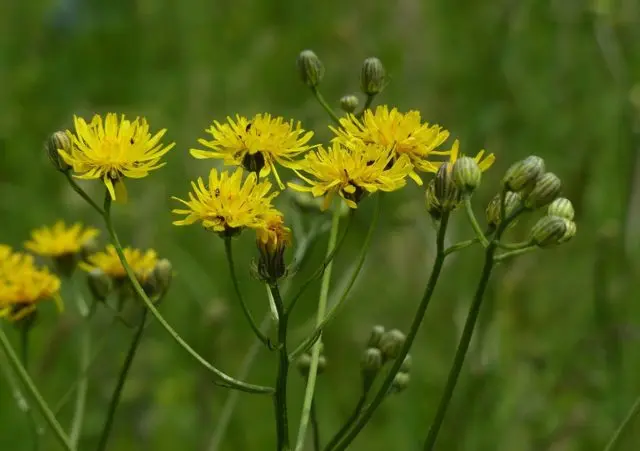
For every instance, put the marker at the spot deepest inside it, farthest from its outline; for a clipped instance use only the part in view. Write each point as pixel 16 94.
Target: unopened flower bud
pixel 406 364
pixel 523 174
pixel 310 67
pixel 570 233
pixel 272 242
pixel 303 364
pixel 376 334
pixel 400 382
pixel 391 343
pixel 99 284
pixel 467 174
pixel 349 103
pixel 549 230
pixel 433 206
pixel 511 202
pixel 373 77
pixel 561 207
pixel 58 140
pixel 322 364
pixel 371 361
pixel 545 191
pixel 445 190
pixel 163 273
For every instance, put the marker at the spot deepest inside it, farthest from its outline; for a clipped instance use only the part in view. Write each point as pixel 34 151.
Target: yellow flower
pixel 228 204
pixel 60 240
pixel 256 144
pixel 114 149
pixel 142 263
pixel 483 163
pixel 272 242
pixel 352 172
pixel 23 285
pixel 404 132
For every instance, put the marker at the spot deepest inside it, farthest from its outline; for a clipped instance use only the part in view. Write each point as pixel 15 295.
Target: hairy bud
pixel 561 207
pixel 467 174
pixel 373 77
pixel 349 103
pixel 58 140
pixel 310 67
pixel 545 191
pixel 522 175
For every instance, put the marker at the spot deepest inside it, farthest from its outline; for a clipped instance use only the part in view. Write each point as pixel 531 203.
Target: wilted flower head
pixel 114 149
pixel 228 204
pixel 257 144
pixel 60 240
pixel 352 171
pixel 141 262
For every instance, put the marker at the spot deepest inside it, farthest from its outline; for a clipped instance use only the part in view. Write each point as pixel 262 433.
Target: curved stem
pixel 325 105
pixel 83 366
pixel 122 378
pixel 315 353
pixel 315 427
pixel 347 425
pixel 413 331
pixel 461 245
pixel 505 255
pixel 333 311
pixel 634 412
pixel 280 395
pixel 82 193
pixel 228 381
pixel 245 309
pixel 514 246
pixel 474 222
pixel 22 374
pixel 367 105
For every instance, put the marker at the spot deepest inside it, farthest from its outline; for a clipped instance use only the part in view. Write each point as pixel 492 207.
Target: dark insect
pixel 217 192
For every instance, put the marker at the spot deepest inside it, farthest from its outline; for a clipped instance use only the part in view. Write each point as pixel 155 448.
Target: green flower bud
pixel 303 364
pixel 376 334
pixel 570 233
pixel 523 174
pixel 548 231
pixel 467 174
pixel 349 103
pixel 310 67
pixel 163 273
pixel 400 382
pixel 391 343
pixel 433 206
pixel 445 190
pixel 373 77
pixel 371 361
pixel 406 364
pixel 99 284
pixel 511 202
pixel 58 140
pixel 545 191
pixel 322 364
pixel 561 207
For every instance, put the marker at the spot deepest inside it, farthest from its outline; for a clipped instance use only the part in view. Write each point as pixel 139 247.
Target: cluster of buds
pixel 557 226
pixel 384 346
pixel 304 362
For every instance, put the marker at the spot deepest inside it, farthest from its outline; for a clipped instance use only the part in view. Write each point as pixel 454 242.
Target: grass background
pixel 554 365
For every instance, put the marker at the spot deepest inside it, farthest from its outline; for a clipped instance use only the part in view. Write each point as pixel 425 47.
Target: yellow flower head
pixel 404 132
pixel 60 240
pixel 483 163
pixel 113 149
pixel 256 144
pixel 228 204
pixel 141 262
pixel 352 171
pixel 274 237
pixel 23 285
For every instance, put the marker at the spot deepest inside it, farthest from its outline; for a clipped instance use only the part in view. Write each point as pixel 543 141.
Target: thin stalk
pixel 634 412
pixel 461 245
pixel 315 353
pixel 334 309
pixel 83 366
pixel 505 255
pixel 413 332
pixel 325 105
pixel 24 345
pixel 31 388
pixel 228 381
pixel 280 395
pixel 315 427
pixel 82 193
pixel 122 378
pixel 350 421
pixel 474 222
pixel 514 246
pixel 367 105
pixel 245 309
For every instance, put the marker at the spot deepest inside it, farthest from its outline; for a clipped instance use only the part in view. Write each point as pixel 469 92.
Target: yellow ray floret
pixel 60 240
pixel 484 163
pixel 114 149
pixel 257 144
pixel 141 262
pixel 227 203
pixel 352 171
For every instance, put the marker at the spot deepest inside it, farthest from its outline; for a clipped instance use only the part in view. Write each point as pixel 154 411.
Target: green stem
pixel 315 427
pixel 367 105
pixel 461 245
pixel 350 421
pixel 83 367
pixel 325 105
pixel 315 353
pixel 634 412
pixel 24 345
pixel 245 309
pixel 505 255
pixel 122 378
pixel 333 311
pixel 474 222
pixel 22 374
pixel 280 395
pixel 82 193
pixel 514 246
pixel 227 381
pixel 413 332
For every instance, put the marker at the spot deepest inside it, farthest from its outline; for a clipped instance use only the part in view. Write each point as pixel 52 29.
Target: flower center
pixel 253 162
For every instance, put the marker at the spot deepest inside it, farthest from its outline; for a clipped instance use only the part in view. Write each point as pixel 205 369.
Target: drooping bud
pixel 272 242
pixel 548 231
pixel 561 207
pixel 400 382
pixel 522 175
pixel 310 67
pixel 58 140
pixel 376 335
pixel 349 103
pixel 467 174
pixel 545 191
pixel 373 77
pixel 391 343
pixel 99 284
pixel 511 202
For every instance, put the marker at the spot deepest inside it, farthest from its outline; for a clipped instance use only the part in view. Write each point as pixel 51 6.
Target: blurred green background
pixel 555 362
